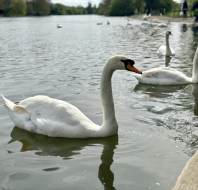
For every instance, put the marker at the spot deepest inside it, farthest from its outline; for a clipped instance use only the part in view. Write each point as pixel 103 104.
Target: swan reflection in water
pixel 67 148
pixel 167 60
pixel 195 96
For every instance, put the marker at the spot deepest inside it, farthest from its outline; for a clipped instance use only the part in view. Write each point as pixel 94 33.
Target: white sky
pixel 76 2
pixel 82 2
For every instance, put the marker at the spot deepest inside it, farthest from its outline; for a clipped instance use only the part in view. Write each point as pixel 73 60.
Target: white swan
pixel 166 50
pixel 168 76
pixel 59 26
pixel 56 118
pixel 146 16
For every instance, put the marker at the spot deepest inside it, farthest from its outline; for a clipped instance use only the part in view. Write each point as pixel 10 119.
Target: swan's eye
pixel 131 62
pixel 128 61
pixel 129 66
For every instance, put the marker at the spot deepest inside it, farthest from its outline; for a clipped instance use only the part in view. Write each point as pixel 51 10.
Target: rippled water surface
pixel 157 125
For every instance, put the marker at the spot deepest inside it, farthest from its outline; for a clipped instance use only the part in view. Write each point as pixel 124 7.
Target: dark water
pixel 157 125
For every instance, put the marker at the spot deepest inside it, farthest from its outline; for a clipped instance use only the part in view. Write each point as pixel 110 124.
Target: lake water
pixel 157 125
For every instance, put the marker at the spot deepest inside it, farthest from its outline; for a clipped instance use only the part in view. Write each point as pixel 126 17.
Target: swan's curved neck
pixel 195 68
pixel 109 120
pixel 168 50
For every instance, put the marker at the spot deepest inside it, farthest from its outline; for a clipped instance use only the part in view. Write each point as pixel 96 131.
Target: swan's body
pixel 163 76
pixel 146 17
pixel 51 117
pixel 166 50
pixel 169 76
pixel 56 118
pixel 59 26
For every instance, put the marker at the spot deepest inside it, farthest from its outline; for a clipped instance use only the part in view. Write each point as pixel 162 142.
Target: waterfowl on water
pixel 59 26
pixel 169 76
pixel 166 50
pixel 57 118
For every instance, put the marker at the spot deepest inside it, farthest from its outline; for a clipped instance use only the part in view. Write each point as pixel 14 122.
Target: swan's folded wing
pixel 162 50
pixel 54 117
pixel 47 126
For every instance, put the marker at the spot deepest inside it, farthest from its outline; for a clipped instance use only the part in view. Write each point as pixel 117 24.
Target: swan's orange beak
pixel 133 69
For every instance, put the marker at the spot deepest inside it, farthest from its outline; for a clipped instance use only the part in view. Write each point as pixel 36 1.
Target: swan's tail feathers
pixel 17 113
pixel 13 107
pixel 9 104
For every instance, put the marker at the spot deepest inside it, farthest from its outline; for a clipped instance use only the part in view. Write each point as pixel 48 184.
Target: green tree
pixel 139 6
pixel 1 7
pixel 31 8
pixel 15 8
pixel 58 9
pixel 89 9
pixel 42 7
pixel 121 8
pixel 159 6
pixel 128 7
pixel 104 7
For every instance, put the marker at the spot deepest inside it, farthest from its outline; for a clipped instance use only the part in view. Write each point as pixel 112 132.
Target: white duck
pixel 166 50
pixel 56 118
pixel 169 76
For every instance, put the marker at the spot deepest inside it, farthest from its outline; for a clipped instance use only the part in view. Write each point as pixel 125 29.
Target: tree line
pixel 41 8
pixel 131 7
pixel 106 7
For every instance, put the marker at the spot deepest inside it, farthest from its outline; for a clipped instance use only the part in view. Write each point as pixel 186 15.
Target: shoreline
pixel 189 20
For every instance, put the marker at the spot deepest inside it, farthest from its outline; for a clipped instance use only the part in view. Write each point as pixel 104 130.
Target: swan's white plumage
pixel 163 76
pixel 166 50
pixel 162 51
pixel 51 117
pixel 57 118
pixel 169 76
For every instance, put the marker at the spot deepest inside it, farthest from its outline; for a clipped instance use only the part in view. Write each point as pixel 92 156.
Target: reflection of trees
pixel 184 27
pixel 67 148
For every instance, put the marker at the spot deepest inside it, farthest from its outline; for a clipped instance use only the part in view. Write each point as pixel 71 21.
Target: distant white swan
pixel 59 26
pixel 56 118
pixel 166 50
pixel 169 76
pixel 146 16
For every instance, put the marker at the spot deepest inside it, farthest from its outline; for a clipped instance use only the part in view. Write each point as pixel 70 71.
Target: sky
pixel 76 2
pixel 82 2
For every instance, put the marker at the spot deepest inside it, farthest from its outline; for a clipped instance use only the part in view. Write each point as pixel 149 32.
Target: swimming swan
pixel 168 76
pixel 56 118
pixel 166 50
